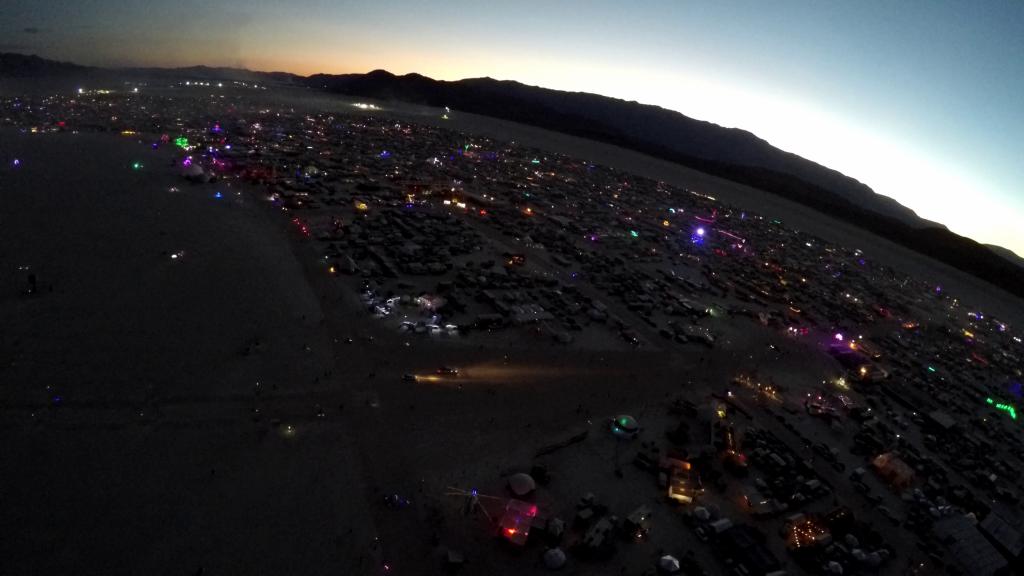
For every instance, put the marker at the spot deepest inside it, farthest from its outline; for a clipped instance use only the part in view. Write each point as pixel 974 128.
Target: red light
pixel 61 123
pixel 483 212
pixel 510 531
pixel 533 510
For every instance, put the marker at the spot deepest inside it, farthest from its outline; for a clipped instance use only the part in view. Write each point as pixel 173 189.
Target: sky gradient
pixel 922 101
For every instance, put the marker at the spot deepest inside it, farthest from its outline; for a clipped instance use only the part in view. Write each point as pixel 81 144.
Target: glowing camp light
pixel 1009 409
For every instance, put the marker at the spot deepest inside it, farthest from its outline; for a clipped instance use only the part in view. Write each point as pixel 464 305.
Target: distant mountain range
pixel 730 153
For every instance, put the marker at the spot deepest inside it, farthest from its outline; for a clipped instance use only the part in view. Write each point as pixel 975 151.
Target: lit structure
pixel 805 532
pixel 680 485
pixel 515 524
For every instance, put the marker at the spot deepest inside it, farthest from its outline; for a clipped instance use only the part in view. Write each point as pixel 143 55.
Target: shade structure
pixel 554 558
pixel 521 484
pixel 668 564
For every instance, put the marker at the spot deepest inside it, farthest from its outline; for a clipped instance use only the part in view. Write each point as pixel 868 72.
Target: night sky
pixel 922 101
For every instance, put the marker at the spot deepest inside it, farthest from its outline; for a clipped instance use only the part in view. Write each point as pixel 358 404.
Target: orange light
pixel 510 531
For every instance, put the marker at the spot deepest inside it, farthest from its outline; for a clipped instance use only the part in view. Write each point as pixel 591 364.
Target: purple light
pixel 839 337
pixel 187 162
pixel 16 163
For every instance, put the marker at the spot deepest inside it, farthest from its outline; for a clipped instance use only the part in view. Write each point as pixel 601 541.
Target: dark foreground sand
pixel 130 445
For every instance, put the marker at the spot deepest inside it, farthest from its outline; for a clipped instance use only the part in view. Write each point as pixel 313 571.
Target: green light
pixel 1008 408
pixel 634 234
pixel 534 161
pixel 930 369
pixel 181 142
pixel 136 165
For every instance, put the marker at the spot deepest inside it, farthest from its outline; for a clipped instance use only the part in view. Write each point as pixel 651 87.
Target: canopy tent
pixel 521 484
pixel 554 558
pixel 668 564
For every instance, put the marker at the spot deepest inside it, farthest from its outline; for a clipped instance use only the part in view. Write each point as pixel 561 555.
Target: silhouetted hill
pixel 217 73
pixel 730 153
pixel 1007 254
pixel 27 66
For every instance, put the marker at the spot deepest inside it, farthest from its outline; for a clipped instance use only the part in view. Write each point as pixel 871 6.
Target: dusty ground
pixel 130 441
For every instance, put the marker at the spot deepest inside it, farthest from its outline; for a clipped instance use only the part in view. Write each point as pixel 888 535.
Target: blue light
pixel 385 154
pixel 700 231
pixel 16 163
pixel 218 195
